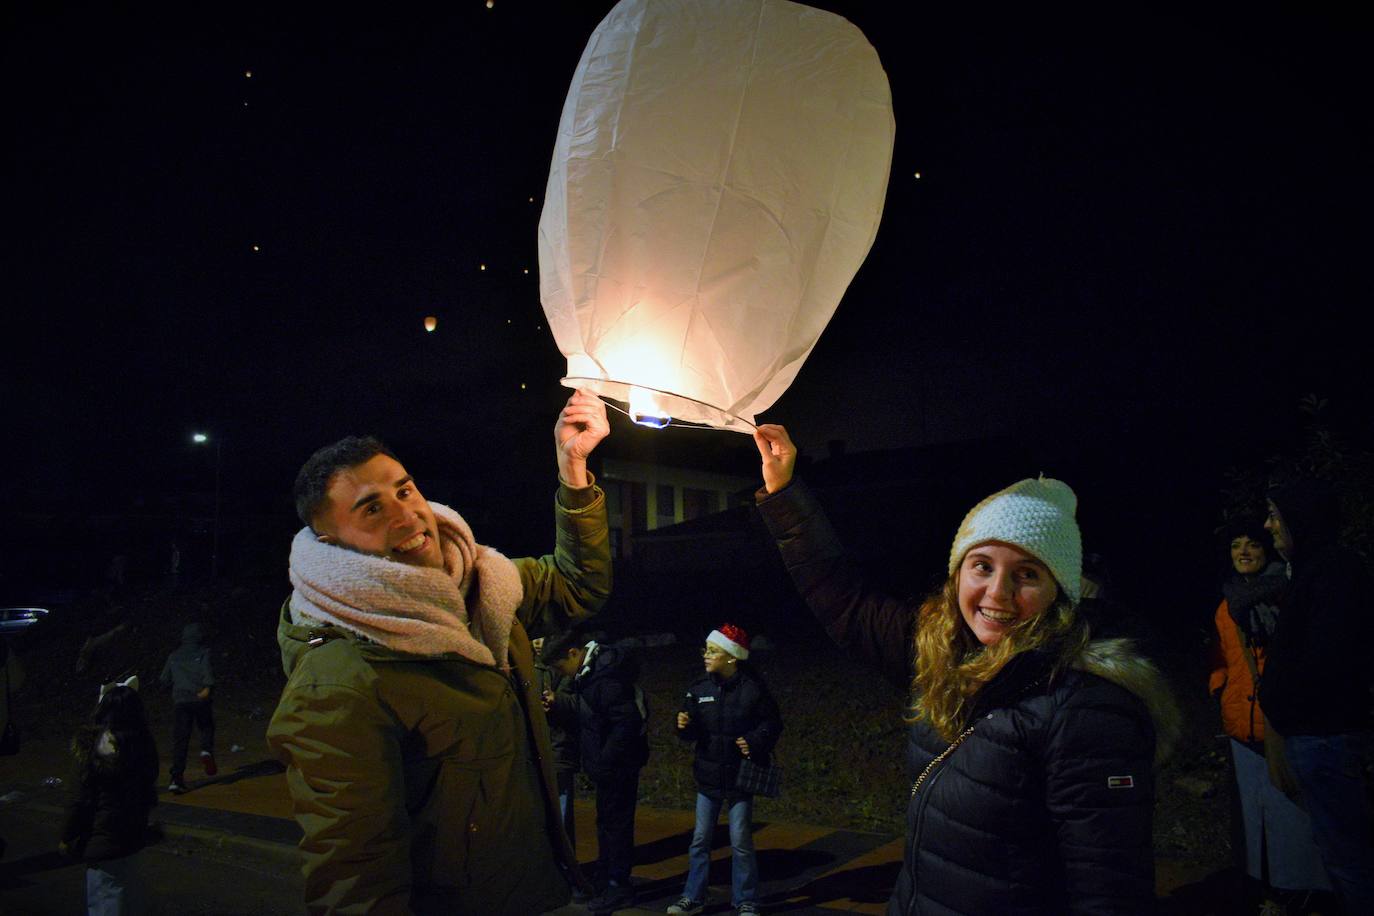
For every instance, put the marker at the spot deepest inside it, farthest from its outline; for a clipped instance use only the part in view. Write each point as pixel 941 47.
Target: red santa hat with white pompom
pixel 731 639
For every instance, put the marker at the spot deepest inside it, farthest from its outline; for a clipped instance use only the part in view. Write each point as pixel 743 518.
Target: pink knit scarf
pixel 412 609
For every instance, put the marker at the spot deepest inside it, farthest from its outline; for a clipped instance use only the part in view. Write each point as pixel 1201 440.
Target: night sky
pixel 1138 238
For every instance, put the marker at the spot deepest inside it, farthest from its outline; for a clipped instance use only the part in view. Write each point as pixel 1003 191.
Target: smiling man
pixel 411 726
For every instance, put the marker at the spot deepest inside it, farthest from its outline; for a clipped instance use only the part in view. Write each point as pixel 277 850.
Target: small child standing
pixel 114 789
pixel 188 672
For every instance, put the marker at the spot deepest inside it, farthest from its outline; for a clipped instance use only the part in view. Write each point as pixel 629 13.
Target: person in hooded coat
pixel 1316 686
pixel 1031 746
pixel 1276 842
pixel 113 789
pixel 609 713
pixel 192 679
pixel 416 749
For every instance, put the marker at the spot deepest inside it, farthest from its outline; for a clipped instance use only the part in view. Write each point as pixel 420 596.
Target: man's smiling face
pixel 375 508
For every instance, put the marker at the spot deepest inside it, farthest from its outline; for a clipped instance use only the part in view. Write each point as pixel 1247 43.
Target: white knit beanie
pixel 1036 515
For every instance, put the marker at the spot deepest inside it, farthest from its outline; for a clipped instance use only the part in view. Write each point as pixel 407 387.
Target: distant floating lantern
pixel 256 248
pixel 717 179
pixel 482 267
pixel 491 3
pixel 431 323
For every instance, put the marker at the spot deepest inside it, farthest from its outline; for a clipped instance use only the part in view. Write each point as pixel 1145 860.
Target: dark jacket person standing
pixel 614 746
pixel 560 703
pixel 1315 688
pixel 729 715
pixel 192 679
pixel 416 747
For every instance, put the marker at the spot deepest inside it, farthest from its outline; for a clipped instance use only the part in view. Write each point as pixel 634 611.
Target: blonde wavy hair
pixel 952 665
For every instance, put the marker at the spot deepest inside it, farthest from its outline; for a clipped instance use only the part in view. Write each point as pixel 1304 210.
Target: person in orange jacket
pixel 1279 851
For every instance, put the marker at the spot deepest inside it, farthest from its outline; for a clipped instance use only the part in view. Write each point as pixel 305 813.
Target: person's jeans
pixel 1333 781
pixel 615 826
pixel 114 888
pixel 567 792
pixel 185 714
pixel 744 869
pixel 1277 832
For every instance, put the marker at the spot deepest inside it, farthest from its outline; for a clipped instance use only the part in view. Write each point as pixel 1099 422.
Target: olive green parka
pixel 426 784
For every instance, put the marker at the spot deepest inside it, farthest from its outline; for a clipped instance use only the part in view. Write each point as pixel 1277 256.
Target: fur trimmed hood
pixel 1117 660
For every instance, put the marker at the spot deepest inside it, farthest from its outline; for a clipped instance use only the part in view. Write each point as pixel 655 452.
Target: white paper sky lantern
pixel 717 179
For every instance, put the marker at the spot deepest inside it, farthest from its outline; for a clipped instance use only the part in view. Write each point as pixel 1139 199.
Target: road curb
pixel 279 853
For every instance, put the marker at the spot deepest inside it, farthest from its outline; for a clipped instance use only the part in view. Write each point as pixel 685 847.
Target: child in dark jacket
pixel 731 716
pixel 113 791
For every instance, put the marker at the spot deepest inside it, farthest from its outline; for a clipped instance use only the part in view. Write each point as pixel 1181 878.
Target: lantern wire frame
pixel 599 385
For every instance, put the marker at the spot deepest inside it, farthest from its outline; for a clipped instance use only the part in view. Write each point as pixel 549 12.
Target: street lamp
pixel 202 439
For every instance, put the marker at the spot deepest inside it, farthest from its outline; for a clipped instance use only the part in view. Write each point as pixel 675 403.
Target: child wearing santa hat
pixel 730 716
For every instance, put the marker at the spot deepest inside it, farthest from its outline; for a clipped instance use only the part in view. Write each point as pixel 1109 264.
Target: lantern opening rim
pixel 598 386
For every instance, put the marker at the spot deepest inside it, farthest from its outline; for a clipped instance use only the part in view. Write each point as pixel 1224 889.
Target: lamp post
pixel 201 439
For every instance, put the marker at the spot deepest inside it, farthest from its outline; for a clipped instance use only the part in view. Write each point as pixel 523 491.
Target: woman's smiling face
pixel 1247 555
pixel 1001 585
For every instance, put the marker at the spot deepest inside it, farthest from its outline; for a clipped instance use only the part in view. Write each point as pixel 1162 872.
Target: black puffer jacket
pixel 611 714
pixel 721 710
pixel 1046 806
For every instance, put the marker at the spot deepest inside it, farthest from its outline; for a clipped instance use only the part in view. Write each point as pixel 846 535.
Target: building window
pixel 696 503
pixel 613 499
pixel 665 513
pixel 638 507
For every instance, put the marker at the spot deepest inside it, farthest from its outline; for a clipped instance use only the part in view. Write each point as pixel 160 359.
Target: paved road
pixel 192 876
pixel 229 850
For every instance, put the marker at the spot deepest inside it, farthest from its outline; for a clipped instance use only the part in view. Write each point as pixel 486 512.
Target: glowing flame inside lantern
pixel 431 323
pixel 645 409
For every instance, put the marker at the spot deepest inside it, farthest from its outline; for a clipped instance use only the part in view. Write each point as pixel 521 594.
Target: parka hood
pixel 294 639
pixel 606 660
pixel 1116 660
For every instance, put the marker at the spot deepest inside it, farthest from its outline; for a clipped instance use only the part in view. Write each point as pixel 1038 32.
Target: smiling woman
pixel 1007 683
pixel 1001 585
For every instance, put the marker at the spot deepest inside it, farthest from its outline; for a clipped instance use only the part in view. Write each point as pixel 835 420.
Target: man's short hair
pixel 556 645
pixel 312 481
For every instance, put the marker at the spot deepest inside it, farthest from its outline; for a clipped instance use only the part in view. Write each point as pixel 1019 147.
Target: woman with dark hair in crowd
pixel 113 791
pixel 1279 851
pixel 1032 745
